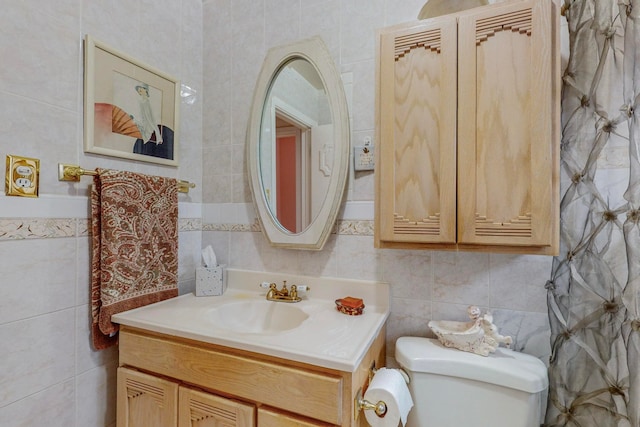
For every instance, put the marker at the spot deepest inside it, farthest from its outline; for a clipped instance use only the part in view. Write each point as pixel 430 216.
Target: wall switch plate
pixel 22 176
pixel 363 156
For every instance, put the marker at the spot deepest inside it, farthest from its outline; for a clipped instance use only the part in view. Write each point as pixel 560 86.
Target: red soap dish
pixel 351 306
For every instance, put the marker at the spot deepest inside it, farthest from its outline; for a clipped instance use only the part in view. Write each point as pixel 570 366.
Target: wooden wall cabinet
pixel 165 381
pixel 468 130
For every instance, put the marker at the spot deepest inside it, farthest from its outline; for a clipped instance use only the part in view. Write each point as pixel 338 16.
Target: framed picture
pixel 130 109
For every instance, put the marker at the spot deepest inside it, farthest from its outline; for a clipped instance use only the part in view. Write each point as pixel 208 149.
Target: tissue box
pixel 210 281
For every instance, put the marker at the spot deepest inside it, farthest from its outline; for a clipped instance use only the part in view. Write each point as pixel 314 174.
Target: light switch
pixel 363 156
pixel 22 176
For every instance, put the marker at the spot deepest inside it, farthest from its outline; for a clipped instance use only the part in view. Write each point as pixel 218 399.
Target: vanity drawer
pixel 309 393
pixel 271 418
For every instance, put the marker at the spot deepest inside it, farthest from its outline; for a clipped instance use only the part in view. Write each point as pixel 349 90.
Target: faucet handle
pixel 303 288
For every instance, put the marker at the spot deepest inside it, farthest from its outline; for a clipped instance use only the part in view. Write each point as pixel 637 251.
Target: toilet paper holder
pixel 380 407
pixel 359 403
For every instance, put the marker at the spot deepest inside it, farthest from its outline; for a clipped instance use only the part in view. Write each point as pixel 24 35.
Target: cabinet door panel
pixel 417 181
pixel 199 409
pixel 505 125
pixel 145 400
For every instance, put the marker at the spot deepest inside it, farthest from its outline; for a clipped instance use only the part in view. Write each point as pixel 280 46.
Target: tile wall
pixel 49 375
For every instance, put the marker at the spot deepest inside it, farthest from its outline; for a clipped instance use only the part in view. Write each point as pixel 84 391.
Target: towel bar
pixel 74 172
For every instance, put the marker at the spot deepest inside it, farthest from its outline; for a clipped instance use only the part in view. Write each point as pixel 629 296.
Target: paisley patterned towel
pixel 134 224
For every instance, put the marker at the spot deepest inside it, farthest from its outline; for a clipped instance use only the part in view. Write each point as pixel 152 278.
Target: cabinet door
pixel 145 400
pixel 416 178
pixel 508 125
pixel 199 409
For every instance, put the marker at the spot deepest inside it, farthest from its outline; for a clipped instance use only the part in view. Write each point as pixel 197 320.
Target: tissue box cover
pixel 210 281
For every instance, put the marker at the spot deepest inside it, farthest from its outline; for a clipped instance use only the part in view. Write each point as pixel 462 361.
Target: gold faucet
pixel 284 294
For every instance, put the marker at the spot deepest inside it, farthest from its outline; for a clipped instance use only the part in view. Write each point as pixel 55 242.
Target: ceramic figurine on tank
pixel 479 336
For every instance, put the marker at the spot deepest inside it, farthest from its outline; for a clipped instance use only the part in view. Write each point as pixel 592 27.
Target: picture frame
pixel 131 110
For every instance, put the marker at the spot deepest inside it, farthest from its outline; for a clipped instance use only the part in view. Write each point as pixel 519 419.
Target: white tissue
pixel 209 257
pixel 389 386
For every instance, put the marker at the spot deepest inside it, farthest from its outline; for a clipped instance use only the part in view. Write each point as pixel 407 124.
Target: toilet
pixel 453 388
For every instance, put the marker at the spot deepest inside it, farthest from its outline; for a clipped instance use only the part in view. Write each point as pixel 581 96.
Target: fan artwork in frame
pixel 131 109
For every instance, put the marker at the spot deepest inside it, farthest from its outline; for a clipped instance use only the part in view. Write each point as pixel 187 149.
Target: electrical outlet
pixel 22 176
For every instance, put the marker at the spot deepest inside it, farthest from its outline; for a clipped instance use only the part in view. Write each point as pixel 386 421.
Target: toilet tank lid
pixel 506 368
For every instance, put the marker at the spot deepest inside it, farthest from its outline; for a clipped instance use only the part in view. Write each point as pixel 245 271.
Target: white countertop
pixel 327 338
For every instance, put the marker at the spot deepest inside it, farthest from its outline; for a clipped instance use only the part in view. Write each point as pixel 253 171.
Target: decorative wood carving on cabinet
pixel 199 409
pixel 146 400
pixel 468 131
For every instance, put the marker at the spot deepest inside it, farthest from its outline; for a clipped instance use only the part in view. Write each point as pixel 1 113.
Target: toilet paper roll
pixel 389 386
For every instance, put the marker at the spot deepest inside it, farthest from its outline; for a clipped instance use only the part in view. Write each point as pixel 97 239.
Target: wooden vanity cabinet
pixel 167 381
pixel 468 129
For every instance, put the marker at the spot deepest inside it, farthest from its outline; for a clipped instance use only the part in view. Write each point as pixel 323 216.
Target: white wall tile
pixel 87 357
pixel 37 353
pixel 402 11
pixel 357 258
pixel 518 281
pixel 409 317
pixel 38 277
pixel 51 407
pixel 282 22
pixel 217 61
pixel 35 128
pixel 83 271
pixel 117 23
pixel 461 278
pixel 364 93
pixel 360 18
pixel 41 64
pixel 320 263
pixel 189 254
pixel 278 259
pixel 245 251
pixel 409 273
pixel 158 45
pixel 322 18
pixel 96 396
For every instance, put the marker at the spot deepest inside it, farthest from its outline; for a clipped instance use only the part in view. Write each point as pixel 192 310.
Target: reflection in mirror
pixel 295 145
pixel 298 145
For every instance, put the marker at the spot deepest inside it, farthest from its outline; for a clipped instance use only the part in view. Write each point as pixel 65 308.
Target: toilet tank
pixel 453 388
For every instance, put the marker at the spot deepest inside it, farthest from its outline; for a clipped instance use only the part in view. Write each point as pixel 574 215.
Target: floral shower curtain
pixel 595 282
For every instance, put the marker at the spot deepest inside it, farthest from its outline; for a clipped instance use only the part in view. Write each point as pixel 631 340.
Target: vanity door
pixel 199 409
pixel 145 400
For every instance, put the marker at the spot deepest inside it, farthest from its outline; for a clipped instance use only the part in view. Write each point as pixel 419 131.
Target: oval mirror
pixel 298 145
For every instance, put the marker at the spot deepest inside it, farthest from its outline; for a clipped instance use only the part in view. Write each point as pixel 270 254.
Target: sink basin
pixel 258 317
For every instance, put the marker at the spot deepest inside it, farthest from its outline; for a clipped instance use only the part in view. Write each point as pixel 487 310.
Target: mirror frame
pixel 316 234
